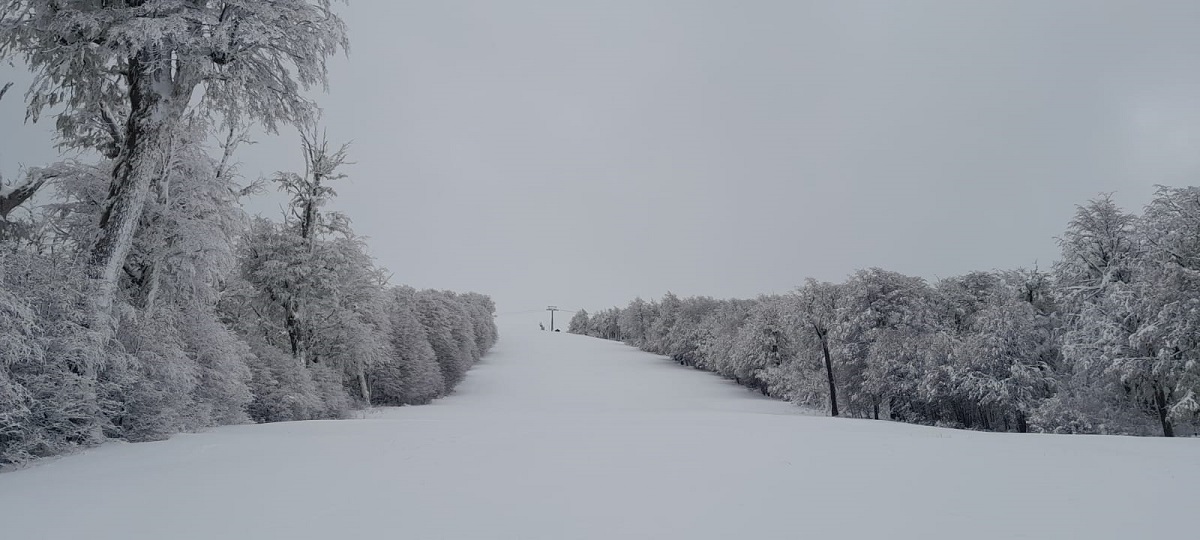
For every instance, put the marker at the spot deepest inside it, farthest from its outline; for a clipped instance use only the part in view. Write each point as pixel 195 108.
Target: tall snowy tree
pixel 817 311
pixel 126 73
pixel 180 256
pixel 765 341
pixel 1109 343
pixel 315 284
pixel 309 192
pixel 1005 365
pixel 1170 337
pixel 880 310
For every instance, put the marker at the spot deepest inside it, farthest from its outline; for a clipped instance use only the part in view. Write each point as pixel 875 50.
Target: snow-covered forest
pixel 137 298
pixel 1105 341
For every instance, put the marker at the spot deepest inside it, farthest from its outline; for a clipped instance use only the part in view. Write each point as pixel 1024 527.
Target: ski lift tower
pixel 552 309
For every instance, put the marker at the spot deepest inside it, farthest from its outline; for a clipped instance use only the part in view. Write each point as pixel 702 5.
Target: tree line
pixel 140 299
pixel 1107 341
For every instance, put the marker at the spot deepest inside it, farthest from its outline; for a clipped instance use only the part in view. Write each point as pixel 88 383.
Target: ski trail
pixel 556 436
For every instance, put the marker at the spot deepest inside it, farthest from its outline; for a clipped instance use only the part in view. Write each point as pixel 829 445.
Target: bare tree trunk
pixel 363 388
pixel 293 325
pixel 1022 422
pixel 1160 406
pixel 295 332
pixel 833 407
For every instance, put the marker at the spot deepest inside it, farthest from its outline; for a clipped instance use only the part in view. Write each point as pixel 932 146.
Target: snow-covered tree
pixel 1099 248
pixel 816 310
pixel 683 340
pixel 881 310
pixel 604 324
pixel 1106 343
pixel 410 374
pixel 318 294
pixel 665 314
pixel 765 341
pixel 1168 309
pixel 127 73
pixel 320 300
pixel 718 335
pixel 196 316
pixel 446 330
pixel 1005 366
pixel 304 227
pixel 482 311
pixel 1111 344
pixel 180 255
pixel 963 297
pixel 579 322
pixel 634 321
pixel 48 403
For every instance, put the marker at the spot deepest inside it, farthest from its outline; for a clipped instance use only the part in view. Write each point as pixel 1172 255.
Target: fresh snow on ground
pixel 556 436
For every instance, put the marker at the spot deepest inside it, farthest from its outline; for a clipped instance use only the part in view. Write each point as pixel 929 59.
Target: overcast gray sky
pixel 582 153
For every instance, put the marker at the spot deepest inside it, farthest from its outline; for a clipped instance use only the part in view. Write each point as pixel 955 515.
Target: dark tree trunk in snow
pixel 823 336
pixel 1160 406
pixel 11 200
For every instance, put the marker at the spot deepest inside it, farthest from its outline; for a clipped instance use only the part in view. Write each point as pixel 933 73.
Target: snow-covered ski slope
pixel 555 436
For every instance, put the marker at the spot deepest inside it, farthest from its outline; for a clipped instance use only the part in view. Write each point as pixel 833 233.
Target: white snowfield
pixel 556 436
